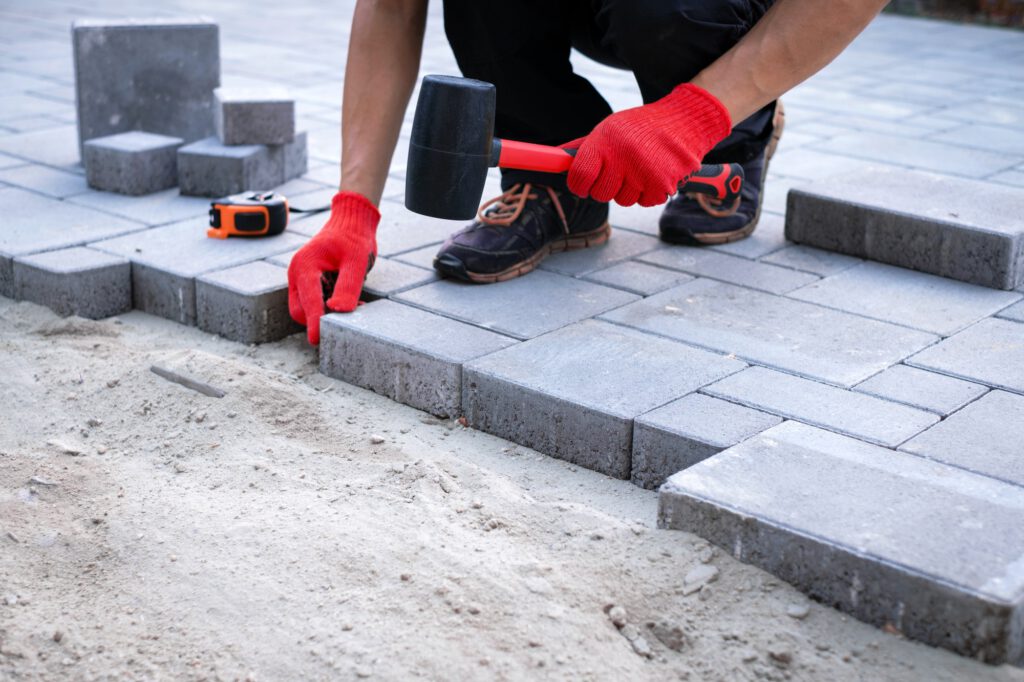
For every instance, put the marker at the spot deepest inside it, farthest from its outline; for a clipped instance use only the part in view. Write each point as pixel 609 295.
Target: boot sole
pixel 569 243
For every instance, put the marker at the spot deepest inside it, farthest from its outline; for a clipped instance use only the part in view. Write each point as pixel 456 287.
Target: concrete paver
pixel 75 281
pixel 706 263
pixel 930 391
pixel 247 303
pixel 132 163
pixel 638 278
pixel 812 260
pixel 244 116
pixel 990 352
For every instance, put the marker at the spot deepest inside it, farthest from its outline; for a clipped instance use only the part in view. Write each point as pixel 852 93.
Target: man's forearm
pixel 794 40
pixel 383 60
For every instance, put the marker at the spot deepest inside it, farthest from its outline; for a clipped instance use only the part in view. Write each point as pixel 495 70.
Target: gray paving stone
pixel 917 153
pixel 75 281
pixel 244 116
pixel 33 223
pixel 636 218
pixel 810 259
pixel 706 263
pixel 621 246
pixel 401 230
pixel 811 164
pixel 45 180
pixel 296 157
pixel 166 260
pixel 885 536
pixel 776 193
pixel 854 414
pixel 159 208
pixel 54 146
pixel 985 437
pixel 798 337
pixel 282 259
pixel 7 161
pixel 209 168
pixel 689 430
pixel 990 352
pixel 914 299
pixel 919 388
pixel 574 393
pixel 132 163
pixel 638 278
pixel 156 75
pixel 404 353
pixel 993 138
pixel 247 303
pixel 421 258
pixel 389 277
pixel 769 236
pixel 1015 312
pixel 524 307
pixel 961 229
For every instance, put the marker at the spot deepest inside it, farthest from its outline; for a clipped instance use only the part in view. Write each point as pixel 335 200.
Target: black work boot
pixel 514 232
pixel 698 219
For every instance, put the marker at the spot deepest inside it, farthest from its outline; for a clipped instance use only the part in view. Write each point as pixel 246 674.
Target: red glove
pixel 642 154
pixel 347 244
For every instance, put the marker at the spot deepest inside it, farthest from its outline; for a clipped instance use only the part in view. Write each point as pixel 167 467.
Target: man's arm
pixel 383 60
pixel 793 40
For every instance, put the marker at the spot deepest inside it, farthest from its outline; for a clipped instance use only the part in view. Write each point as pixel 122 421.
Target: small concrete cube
pixel 208 168
pixel 133 163
pixel 247 303
pixel 244 116
pixel 75 281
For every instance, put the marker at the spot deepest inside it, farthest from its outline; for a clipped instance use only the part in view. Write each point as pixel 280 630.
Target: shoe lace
pixel 505 208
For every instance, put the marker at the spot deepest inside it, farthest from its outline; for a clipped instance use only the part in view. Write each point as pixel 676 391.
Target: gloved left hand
pixel 642 154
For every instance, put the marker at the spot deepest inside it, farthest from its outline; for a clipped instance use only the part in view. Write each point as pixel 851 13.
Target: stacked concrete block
pixel 75 281
pixel 247 303
pixel 133 163
pixel 156 75
pixel 251 117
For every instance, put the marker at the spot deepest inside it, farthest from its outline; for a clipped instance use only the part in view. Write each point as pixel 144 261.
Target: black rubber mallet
pixel 453 145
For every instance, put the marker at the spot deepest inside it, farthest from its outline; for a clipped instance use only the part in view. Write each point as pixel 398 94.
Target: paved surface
pixel 638 358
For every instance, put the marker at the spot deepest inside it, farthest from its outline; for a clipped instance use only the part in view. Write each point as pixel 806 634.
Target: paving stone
pixel 401 230
pixel 156 75
pixel 810 259
pixel 706 263
pixel 918 388
pixel 282 259
pixel 636 218
pixel 917 153
pixel 993 138
pixel 990 352
pixel 389 277
pixel 1014 178
pixel 798 337
pixel 574 393
pixel 45 180
pixel 961 229
pixel 1015 312
pixel 985 437
pixel 132 163
pixel 776 193
pixel 244 116
pixel 209 168
pixel 854 414
pixel 159 208
pixel 7 161
pixel 913 299
pixel 404 353
pixel 811 164
pixel 33 223
pixel 638 278
pixel 75 281
pixel 247 303
pixel 621 246
pixel 54 146
pixel 769 236
pixel 421 258
pixel 689 430
pixel 888 537
pixel 524 307
pixel 166 260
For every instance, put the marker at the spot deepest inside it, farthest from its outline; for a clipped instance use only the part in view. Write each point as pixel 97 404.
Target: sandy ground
pixel 301 528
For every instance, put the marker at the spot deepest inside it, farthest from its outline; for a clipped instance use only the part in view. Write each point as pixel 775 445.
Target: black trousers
pixel 522 46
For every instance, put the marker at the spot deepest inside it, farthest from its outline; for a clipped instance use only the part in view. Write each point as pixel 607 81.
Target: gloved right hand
pixel 347 245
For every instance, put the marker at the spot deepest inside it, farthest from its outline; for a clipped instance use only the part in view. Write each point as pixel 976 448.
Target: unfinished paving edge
pixel 75 281
pixel 247 303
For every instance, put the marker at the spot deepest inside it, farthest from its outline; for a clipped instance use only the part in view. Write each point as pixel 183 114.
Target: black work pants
pixel 522 47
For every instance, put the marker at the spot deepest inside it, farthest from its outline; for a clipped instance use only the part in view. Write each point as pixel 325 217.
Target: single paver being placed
pixel 855 414
pixel 75 281
pixel 986 437
pixel 574 393
pixel 638 278
pixel 404 353
pixel 166 260
pixel 732 269
pixel 913 299
pixel 132 163
pixel 622 245
pixel 798 337
pixel 990 352
pixel 934 551
pixel 524 307
pixel 962 229
pixel 33 223
pixel 247 303
pixel 689 430
pixel 936 393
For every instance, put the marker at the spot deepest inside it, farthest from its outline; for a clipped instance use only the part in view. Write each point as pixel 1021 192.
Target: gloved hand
pixel 346 244
pixel 642 154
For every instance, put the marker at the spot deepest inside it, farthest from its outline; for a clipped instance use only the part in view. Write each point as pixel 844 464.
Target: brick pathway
pixel 850 425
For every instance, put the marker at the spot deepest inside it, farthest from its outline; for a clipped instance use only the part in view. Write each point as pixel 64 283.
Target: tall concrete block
pixel 404 353
pixel 247 303
pixel 156 75
pixel 933 551
pixel 75 281
pixel 953 227
pixel 244 116
pixel 133 163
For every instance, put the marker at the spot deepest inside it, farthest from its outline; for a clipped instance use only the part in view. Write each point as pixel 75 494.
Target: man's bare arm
pixel 793 40
pixel 383 60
